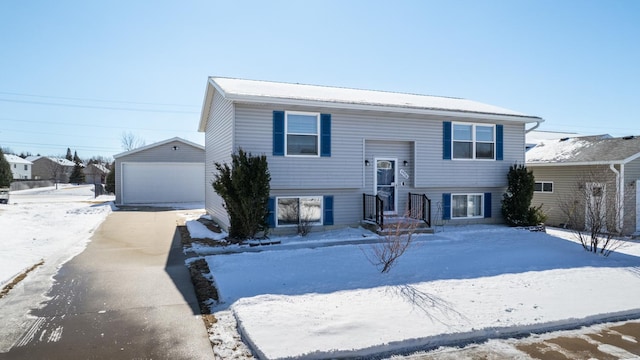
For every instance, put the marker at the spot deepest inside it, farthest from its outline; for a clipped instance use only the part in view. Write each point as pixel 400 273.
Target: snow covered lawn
pixel 461 284
pixel 47 224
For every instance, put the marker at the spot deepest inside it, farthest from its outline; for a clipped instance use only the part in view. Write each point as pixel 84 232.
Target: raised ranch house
pixel 608 167
pixel 338 156
pixel 95 173
pixel 51 168
pixel 20 168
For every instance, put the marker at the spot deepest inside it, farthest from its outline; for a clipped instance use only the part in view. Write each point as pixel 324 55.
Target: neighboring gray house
pixel 169 171
pixel 95 173
pixel 336 153
pixel 51 168
pixel 608 167
pixel 20 168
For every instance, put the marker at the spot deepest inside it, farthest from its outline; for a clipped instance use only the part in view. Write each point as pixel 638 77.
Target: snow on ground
pixel 47 223
pixel 466 283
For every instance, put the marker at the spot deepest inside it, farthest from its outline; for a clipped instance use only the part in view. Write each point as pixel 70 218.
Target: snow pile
pixel 465 283
pixel 197 230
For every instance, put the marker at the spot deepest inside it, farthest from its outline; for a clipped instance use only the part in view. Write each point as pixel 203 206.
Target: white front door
pixel 385 183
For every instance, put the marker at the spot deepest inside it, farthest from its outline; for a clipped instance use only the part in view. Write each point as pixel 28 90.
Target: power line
pixel 92 125
pixel 95 100
pixel 96 148
pixel 98 107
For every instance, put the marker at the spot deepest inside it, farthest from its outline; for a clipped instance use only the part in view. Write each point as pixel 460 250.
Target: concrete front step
pixel 400 226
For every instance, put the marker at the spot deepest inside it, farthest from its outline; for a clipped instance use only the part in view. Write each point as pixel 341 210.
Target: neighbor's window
pixel 26 167
pixel 299 210
pixel 543 186
pixel 473 141
pixel 302 133
pixel 466 205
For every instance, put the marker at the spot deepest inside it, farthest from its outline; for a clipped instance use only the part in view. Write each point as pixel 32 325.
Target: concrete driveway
pixel 127 296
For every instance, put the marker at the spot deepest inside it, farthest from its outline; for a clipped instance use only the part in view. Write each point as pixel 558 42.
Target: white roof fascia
pixel 159 143
pixel 206 103
pixel 583 163
pixel 631 158
pixel 383 108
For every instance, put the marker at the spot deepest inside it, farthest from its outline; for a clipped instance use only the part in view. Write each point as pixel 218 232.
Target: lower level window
pixel 299 210
pixel 466 205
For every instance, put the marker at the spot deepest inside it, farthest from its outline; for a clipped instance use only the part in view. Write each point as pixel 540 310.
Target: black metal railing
pixel 373 209
pixel 420 207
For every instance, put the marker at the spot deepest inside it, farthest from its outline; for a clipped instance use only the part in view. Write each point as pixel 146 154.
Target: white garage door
pixel 149 183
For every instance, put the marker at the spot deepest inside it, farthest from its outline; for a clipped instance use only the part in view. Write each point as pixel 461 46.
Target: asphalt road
pixel 127 296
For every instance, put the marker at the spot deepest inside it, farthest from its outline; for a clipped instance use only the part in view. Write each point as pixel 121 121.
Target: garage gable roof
pixel 157 144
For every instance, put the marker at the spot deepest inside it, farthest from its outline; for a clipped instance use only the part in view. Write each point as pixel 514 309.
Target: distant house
pixel 608 167
pixel 95 173
pixel 51 168
pixel 339 157
pixel 169 171
pixel 20 168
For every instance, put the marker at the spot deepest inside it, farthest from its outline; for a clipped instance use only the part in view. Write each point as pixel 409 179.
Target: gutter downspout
pixel 619 194
pixel 533 128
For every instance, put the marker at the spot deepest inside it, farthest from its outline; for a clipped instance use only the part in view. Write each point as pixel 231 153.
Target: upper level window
pixel 543 186
pixel 302 133
pixel 26 167
pixel 473 141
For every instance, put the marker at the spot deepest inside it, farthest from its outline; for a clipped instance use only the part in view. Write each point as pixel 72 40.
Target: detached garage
pixel 170 171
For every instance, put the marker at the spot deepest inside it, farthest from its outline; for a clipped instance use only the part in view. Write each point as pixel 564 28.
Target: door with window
pixel 385 186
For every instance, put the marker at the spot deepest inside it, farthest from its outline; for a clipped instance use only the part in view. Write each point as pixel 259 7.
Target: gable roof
pixel 61 161
pixel 585 150
pixel 254 91
pixel 159 143
pixel 99 167
pixel 13 159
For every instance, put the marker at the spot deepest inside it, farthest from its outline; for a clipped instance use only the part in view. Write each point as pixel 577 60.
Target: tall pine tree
pixel 5 171
pixel 68 156
pixel 77 175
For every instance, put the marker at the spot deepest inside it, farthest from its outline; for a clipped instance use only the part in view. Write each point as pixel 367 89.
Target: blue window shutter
pixel 446 140
pixel 325 134
pixel 328 210
pixel 271 218
pixel 278 133
pixel 487 205
pixel 499 142
pixel 446 206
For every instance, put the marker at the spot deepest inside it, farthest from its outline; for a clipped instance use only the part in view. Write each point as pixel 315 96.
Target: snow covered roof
pixel 159 143
pixel 255 91
pixel 100 167
pixel 585 150
pixel 13 159
pixel 61 161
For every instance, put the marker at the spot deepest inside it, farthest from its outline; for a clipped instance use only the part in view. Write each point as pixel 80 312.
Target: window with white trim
pixel 543 186
pixel 474 141
pixel 466 205
pixel 292 211
pixel 302 133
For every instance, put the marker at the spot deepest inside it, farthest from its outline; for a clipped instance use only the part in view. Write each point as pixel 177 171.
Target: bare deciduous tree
pixel 131 141
pixel 394 244
pixel 593 211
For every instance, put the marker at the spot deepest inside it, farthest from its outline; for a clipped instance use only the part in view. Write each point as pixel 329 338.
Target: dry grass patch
pixel 5 290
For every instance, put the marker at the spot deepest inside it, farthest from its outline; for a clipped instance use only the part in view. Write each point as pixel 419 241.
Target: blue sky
pixel 78 74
